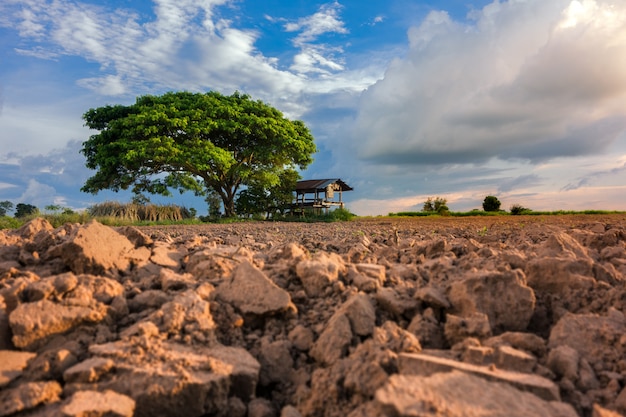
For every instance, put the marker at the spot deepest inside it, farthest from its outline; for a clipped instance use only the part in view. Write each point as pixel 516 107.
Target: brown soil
pixel 493 316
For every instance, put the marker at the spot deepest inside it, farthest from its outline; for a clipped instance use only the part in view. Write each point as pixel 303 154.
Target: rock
pixel 320 272
pixel 586 376
pixel 432 297
pixel 457 394
pixel 135 236
pixel 458 328
pixel 369 280
pixel 173 281
pixel 599 411
pixel 393 337
pixel 333 343
pixel 98 404
pixel 428 330
pixel 479 355
pixel 244 288
pixel 361 314
pixel 373 271
pixel 620 401
pixel 594 337
pixel 33 323
pixel 515 360
pixel 557 275
pixel 12 365
pixel 94 249
pixel 164 255
pixel 563 361
pixel 503 296
pixel 30 229
pixel 301 338
pixel 197 380
pixel 276 362
pixel 397 304
pixel 50 364
pixel 519 340
pixel 89 370
pixel 290 411
pixel 213 265
pixel 565 246
pixel 5 330
pixel 148 299
pixel 236 407
pixel 28 396
pixel 186 317
pixel 260 407
pixel 425 365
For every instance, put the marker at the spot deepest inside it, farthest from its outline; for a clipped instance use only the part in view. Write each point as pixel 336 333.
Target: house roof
pixel 311 186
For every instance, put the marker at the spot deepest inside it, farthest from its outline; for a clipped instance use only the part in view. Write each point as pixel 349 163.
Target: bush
pixel 517 209
pixel 437 205
pixel 491 203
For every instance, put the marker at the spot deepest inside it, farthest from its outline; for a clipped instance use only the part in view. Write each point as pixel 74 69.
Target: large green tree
pixel 200 142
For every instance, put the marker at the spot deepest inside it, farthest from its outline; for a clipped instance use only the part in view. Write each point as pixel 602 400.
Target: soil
pixel 493 316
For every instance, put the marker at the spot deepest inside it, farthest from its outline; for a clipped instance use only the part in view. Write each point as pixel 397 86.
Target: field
pixel 430 316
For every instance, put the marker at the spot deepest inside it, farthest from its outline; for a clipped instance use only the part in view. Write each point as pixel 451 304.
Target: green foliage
pixel 437 205
pixel 194 142
pixel 337 215
pixel 24 210
pixel 257 200
pixel 214 203
pixel 5 207
pixel 517 209
pixel 66 216
pixel 7 222
pixel 491 203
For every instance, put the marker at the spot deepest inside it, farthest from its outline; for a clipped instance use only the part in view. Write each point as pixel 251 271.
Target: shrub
pixel 437 205
pixel 517 209
pixel 491 203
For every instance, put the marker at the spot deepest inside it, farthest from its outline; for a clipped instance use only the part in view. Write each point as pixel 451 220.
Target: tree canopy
pixel 200 142
pixel 491 203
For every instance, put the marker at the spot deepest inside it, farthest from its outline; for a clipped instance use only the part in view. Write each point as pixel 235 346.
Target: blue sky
pixel 522 99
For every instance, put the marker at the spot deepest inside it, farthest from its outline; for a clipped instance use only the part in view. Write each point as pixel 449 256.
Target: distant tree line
pixel 439 205
pixel 21 209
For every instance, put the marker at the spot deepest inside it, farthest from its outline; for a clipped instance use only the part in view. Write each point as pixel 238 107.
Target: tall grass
pixel 132 212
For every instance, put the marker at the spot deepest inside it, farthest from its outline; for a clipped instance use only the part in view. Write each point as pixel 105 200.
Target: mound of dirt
pixel 503 316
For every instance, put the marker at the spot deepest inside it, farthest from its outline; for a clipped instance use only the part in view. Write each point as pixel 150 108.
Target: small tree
pixel 257 199
pixel 5 207
pixel 23 210
pixel 214 202
pixel 437 205
pixel 517 209
pixel 491 203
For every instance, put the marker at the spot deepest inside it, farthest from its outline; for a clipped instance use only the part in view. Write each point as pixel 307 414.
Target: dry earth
pixel 505 316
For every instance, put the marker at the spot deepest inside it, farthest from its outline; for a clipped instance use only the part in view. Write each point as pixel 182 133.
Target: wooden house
pixel 319 195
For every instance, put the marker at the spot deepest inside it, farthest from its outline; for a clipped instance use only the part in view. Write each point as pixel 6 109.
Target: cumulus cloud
pixel 523 80
pixel 326 20
pixel 314 56
pixel 186 45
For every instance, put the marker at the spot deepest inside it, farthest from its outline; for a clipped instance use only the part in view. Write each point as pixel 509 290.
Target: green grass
pixel 502 213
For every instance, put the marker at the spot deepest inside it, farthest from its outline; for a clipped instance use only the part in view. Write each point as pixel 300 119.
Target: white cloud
pixel 39 194
pixel 318 57
pixel 326 20
pixel 527 80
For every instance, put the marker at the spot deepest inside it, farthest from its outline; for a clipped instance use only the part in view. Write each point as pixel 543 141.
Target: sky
pixel 407 99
